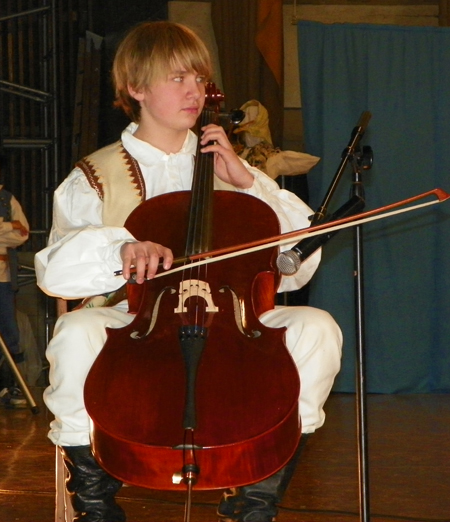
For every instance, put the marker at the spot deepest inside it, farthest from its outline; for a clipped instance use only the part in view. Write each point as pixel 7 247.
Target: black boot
pixel 91 488
pixel 258 502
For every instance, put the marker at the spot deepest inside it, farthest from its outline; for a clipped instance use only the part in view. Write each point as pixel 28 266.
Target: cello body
pixel 245 387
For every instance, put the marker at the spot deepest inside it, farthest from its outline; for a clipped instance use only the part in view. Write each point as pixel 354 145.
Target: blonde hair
pixel 148 53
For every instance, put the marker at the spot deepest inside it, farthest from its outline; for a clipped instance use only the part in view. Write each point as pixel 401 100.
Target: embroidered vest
pixel 117 178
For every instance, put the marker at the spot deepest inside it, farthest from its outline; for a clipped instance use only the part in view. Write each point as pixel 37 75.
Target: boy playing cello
pixel 159 73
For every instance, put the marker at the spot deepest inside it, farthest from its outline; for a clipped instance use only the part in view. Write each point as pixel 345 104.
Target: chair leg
pixel 63 506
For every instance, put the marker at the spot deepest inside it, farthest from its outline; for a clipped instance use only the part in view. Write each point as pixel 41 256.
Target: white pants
pixel 312 337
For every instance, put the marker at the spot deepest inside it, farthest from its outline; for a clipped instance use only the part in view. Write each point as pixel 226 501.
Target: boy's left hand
pixel 227 165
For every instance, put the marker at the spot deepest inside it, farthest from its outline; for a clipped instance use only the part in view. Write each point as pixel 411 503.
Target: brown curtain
pixel 444 13
pixel 249 36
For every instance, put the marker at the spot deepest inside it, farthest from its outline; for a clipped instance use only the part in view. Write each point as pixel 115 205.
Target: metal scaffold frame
pixel 29 129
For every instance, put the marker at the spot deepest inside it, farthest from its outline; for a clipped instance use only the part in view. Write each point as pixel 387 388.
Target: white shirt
pixel 83 254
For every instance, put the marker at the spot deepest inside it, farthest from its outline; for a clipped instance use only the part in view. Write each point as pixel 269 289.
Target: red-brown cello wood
pixel 196 379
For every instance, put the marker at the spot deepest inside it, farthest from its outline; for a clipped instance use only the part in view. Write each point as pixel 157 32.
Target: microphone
pixel 289 262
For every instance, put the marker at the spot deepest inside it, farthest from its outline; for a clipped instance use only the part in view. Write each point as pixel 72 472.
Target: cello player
pixel 159 74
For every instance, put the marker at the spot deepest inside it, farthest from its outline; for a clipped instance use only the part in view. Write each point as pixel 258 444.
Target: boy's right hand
pixel 145 257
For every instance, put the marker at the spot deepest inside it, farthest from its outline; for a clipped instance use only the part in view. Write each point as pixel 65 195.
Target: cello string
pixel 193 221
pixel 200 227
pixel 207 173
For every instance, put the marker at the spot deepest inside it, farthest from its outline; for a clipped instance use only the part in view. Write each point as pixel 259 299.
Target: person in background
pixel 14 231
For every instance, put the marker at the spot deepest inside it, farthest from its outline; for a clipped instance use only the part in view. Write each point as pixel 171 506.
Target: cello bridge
pixel 194 288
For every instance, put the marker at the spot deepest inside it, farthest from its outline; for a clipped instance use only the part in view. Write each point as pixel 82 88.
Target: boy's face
pixel 173 103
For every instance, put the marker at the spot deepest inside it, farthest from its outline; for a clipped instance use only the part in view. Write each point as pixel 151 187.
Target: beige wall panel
pixel 419 15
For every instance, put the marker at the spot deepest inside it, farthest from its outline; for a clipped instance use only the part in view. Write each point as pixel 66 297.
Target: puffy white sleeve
pixel 82 254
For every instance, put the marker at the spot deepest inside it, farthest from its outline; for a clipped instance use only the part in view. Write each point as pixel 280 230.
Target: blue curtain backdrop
pixel 402 76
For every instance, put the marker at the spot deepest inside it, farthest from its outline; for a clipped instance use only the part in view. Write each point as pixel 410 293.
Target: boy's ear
pixel 137 95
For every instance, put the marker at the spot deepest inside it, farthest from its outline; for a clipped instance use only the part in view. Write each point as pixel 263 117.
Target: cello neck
pixel 199 234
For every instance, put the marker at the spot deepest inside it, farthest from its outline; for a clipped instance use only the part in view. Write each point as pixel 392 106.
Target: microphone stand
pixel 361 161
pixel 289 262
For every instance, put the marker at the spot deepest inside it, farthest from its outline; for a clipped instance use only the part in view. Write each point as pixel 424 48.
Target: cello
pixel 175 397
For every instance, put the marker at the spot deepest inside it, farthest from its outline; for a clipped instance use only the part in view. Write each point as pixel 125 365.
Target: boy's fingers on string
pixel 215 133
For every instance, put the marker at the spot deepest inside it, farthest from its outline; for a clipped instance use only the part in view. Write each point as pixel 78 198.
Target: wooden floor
pixel 409 446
